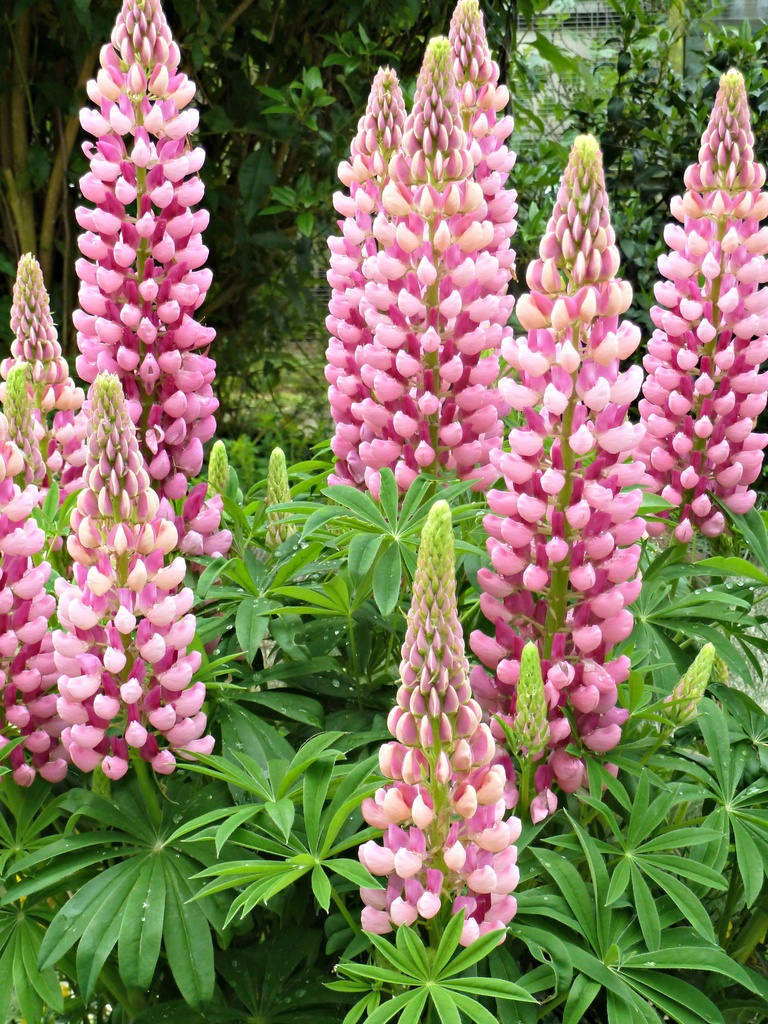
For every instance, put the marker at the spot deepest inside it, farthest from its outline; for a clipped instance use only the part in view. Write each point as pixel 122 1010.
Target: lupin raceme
pixel 704 390
pixel 445 838
pixel 563 536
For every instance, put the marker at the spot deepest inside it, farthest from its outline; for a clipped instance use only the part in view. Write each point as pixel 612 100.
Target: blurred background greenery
pixel 280 88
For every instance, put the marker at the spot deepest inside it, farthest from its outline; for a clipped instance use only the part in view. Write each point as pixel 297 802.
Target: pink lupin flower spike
pixel 379 134
pixel 27 671
pixel 562 537
pixel 142 272
pixel 704 390
pixel 125 672
pixel 54 397
pixel 445 838
pixel 435 304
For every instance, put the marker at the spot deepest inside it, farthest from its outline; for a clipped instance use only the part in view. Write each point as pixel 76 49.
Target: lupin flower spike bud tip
pixel 125 674
pixel 278 493
pixel 142 273
pixel 684 700
pixel 704 391
pixel 563 537
pixel 445 837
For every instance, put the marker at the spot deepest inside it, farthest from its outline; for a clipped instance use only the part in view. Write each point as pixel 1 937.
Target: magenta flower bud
pixel 560 531
pixel 704 390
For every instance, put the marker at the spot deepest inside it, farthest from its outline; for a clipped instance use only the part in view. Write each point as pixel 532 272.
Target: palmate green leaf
pixel 675 997
pixel 580 998
pixel 358 784
pixel 50 878
pixel 387 576
pixel 24 969
pixel 474 1010
pixel 251 625
pixel 751 526
pixel 468 957
pixel 6 976
pixel 375 973
pixel 142 926
pixel 187 940
pixel 282 812
pixel 360 504
pixel 353 871
pixel 399 960
pixel 363 549
pixel 688 868
pixel 409 944
pixel 444 1003
pixel 390 1007
pixel 316 782
pixel 297 707
pixel 491 987
pixel 96 944
pixel 572 886
pixel 449 943
pixel 44 982
pixel 321 887
pixel 538 941
pixel 731 567
pixel 619 881
pixel 751 863
pixel 689 905
pixel 94 898
pixel 647 912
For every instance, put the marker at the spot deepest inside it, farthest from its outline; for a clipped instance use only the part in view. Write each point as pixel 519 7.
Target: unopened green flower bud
pixel 278 493
pixel 531 722
pixel 684 699
pixel 22 422
pixel 218 468
pixel 720 671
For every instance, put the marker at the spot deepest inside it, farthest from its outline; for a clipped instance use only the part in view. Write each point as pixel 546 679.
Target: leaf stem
pixel 344 911
pixel 147 787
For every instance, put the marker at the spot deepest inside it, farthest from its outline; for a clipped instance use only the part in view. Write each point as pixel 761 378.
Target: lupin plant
pixel 54 397
pixel 27 669
pixel 142 271
pixel 563 537
pixel 434 296
pixel 125 672
pixel 704 391
pixel 446 846
pixel 278 493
